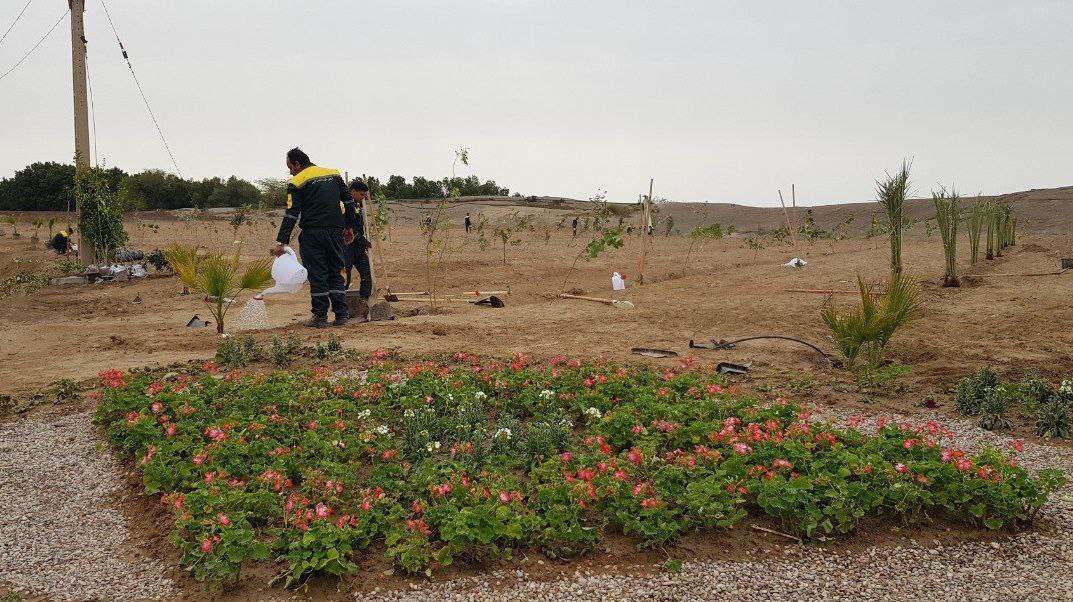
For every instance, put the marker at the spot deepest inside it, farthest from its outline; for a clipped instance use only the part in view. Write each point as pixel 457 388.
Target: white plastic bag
pixel 288 273
pixel 617 282
pixel 795 263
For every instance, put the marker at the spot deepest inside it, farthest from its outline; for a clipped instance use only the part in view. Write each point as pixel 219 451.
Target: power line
pixel 4 37
pixel 140 90
pixel 39 42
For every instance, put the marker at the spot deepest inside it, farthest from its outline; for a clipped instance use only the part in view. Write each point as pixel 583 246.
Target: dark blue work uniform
pixel 319 202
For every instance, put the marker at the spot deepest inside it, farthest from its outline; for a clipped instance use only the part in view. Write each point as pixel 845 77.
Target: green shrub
pixel 972 390
pixel 993 409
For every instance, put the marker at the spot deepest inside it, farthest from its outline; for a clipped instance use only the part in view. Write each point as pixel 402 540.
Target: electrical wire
pixel 141 91
pixel 39 42
pixel 4 37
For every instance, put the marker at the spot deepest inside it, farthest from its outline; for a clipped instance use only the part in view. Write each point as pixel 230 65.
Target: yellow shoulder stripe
pixel 313 171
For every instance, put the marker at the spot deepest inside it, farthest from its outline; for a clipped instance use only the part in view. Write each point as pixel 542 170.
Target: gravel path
pixel 58 535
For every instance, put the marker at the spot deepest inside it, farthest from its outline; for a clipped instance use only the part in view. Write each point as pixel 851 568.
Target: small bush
pixel 972 390
pixel 234 353
pixel 993 409
pixel 1053 419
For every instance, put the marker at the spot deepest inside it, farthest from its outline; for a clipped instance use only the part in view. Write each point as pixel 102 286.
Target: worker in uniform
pixel 356 253
pixel 320 203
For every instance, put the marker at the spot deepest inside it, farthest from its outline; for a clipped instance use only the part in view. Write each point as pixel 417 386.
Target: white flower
pixel 433 446
pixel 547 394
pixel 226 335
pixel 594 413
pixel 1066 388
pixel 566 422
pixel 339 444
pixel 383 429
pixel 480 396
pixel 409 413
pixel 362 415
pixel 505 433
pixel 450 397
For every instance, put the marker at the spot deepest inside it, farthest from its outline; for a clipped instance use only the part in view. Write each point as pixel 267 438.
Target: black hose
pixel 723 344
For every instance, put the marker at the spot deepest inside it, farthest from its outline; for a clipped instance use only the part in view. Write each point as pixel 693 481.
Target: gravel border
pixel 59 537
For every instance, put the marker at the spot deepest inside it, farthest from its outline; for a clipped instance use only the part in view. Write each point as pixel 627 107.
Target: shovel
pixel 615 302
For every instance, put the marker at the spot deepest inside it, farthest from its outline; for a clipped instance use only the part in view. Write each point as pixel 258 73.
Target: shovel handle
pixel 584 298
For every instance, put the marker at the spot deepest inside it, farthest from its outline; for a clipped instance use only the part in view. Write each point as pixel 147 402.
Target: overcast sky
pixel 718 101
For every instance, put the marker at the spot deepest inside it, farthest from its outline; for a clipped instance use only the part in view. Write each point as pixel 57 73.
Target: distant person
pixel 468 223
pixel 320 203
pixel 61 242
pixel 575 226
pixel 428 222
pixel 357 252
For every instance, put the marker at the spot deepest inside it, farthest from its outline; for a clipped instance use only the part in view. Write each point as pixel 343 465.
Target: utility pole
pixel 81 107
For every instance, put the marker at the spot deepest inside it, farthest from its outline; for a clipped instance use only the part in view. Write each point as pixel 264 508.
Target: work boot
pixel 340 321
pixel 318 322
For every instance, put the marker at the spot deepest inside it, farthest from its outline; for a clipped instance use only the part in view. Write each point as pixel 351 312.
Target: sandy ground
pixel 725 290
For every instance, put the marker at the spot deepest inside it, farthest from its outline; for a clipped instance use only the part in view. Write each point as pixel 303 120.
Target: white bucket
pixel 288 273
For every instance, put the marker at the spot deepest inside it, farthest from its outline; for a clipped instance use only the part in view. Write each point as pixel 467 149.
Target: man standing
pixel 319 202
pixel 467 222
pixel 357 252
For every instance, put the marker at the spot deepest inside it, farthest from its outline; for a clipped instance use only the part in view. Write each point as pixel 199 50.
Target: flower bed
pixel 436 462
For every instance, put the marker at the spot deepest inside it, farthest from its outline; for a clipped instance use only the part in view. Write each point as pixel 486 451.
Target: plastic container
pixel 288 273
pixel 617 282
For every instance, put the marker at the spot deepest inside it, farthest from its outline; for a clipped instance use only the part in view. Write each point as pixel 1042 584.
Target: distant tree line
pixel 47 187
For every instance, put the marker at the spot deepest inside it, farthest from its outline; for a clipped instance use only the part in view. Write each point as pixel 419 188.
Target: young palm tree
pixel 869 329
pixel 218 277
pixel 891 193
pixel 947 215
pixel 977 215
pixel 183 261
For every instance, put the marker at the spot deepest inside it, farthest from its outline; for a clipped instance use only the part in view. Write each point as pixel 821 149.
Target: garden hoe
pixel 615 302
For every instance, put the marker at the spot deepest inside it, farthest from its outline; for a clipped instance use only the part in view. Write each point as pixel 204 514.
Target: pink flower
pixel 566 457
pixel 781 463
pixel 223 519
pixel 621 475
pixel 946 455
pixel 651 502
pixel 742 448
pixel 156 407
pixel 963 464
pixel 312 425
pixel 908 443
pixel 900 467
pixel 366 505
pixel 588 382
pixel 880 422
pixel 638 429
pixel 1016 445
pixel 170 429
pixel 206 546
pixel 635 456
pixel 504 497
pixel 322 510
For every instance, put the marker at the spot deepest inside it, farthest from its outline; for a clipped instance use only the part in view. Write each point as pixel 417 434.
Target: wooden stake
pixel 646 216
pixel 789 226
pixel 793 196
pixel 774 532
